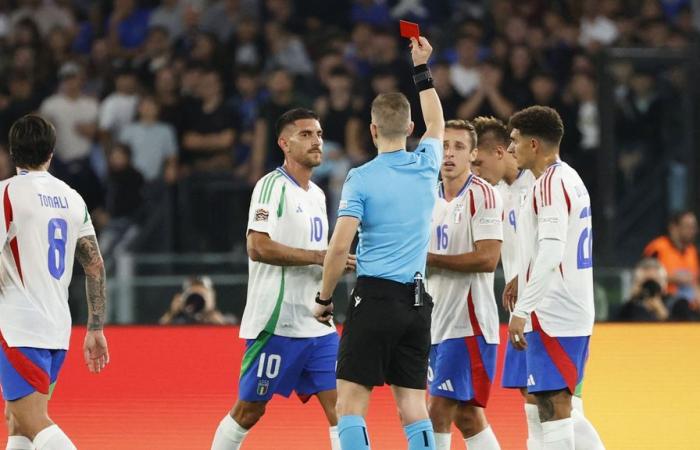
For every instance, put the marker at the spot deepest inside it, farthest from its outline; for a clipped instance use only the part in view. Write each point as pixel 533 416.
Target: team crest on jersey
pixel 261 215
pixel 263 386
pixel 458 213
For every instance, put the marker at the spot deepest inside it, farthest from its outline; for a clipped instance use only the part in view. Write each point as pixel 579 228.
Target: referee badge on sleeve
pixel 261 215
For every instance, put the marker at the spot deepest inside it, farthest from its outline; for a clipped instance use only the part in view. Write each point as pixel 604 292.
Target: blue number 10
pixel 316 229
pixel 58 229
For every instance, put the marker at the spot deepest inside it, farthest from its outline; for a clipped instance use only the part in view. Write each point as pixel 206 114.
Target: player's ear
pixel 282 142
pixel 411 126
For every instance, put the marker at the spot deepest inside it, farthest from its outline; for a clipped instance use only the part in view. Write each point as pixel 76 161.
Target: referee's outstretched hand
pixel 420 50
pixel 324 314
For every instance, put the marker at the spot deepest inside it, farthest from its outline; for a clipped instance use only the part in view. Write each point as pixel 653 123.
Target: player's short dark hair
pixel 491 128
pixel 541 122
pixel 32 139
pixel 292 116
pixel 465 125
pixel 678 216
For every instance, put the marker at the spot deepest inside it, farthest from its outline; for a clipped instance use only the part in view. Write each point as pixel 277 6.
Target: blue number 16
pixel 58 229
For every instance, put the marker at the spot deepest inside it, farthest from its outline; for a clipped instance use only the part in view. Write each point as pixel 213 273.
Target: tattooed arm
pixel 88 255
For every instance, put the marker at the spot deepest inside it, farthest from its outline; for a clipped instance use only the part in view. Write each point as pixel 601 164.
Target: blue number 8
pixel 58 235
pixel 584 253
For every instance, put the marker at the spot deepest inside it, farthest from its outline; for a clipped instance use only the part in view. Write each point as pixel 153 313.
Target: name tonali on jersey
pixel 558 207
pixel 464 303
pixel 44 218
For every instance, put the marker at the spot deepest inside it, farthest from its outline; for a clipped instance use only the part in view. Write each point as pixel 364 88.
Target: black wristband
pixel 323 302
pixel 422 77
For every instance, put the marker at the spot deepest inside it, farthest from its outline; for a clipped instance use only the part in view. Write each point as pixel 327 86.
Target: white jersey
pixel 43 220
pixel 281 299
pixel 514 196
pixel 558 207
pixel 465 304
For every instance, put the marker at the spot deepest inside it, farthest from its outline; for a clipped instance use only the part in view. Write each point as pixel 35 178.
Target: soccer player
pixel 386 338
pixel 467 230
pixel 46 226
pixel 286 348
pixel 500 168
pixel 554 286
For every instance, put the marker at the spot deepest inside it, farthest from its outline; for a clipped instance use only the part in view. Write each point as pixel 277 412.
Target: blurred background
pixel 165 113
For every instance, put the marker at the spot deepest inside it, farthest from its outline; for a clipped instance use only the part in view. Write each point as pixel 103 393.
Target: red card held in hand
pixel 409 29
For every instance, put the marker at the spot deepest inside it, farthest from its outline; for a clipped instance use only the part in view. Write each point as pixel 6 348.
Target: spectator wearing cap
pixel 73 114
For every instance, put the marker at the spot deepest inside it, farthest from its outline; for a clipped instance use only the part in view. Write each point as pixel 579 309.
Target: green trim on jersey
pixel 280 208
pixel 268 186
pixel 86 218
pixel 252 353
pixel 578 392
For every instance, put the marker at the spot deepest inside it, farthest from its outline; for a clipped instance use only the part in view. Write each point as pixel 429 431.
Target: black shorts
pixel 385 338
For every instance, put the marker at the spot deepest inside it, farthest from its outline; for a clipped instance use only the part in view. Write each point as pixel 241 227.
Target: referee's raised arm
pixel 429 101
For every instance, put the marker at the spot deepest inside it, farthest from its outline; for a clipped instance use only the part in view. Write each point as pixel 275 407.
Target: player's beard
pixel 313 159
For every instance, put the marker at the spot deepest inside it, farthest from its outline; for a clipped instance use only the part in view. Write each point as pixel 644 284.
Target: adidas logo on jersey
pixel 530 380
pixel 299 210
pixel 446 386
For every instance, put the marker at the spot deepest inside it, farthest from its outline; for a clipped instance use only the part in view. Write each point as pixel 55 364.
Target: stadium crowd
pixel 165 110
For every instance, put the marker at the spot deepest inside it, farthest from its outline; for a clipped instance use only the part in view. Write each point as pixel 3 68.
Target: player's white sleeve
pixel 552 228
pixel 549 256
pixel 487 222
pixel 86 229
pixel 266 204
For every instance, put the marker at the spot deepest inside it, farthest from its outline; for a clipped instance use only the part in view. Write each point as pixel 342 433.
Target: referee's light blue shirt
pixel 393 197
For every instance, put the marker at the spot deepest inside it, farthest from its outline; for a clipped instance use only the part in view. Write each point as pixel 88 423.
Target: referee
pixel 386 338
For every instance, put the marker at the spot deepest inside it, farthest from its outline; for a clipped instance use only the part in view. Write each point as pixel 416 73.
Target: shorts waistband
pixel 402 289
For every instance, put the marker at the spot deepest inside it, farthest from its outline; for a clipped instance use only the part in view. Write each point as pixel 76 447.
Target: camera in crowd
pixel 195 304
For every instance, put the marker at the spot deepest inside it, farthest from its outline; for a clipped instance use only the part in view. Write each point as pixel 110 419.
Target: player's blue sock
pixel 353 433
pixel 420 435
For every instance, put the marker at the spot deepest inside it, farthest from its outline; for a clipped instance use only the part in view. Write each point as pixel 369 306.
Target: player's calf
pixel 470 420
pixel 554 405
pixel 247 414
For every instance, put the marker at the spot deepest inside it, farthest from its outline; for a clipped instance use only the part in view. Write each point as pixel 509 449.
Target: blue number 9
pixel 58 229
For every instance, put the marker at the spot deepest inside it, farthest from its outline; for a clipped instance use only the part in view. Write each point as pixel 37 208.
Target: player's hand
pixel 510 294
pixel 516 332
pixel 324 314
pixel 95 351
pixel 420 50
pixel 351 263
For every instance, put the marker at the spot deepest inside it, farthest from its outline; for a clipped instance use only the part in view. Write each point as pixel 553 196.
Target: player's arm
pixel 335 263
pixel 261 248
pixel 484 258
pixel 429 100
pixel 552 226
pixel 87 253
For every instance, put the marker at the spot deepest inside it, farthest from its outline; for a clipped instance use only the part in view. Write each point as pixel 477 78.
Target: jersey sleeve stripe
pixel 27 369
pixel 14 247
pixel 472 205
pixel 270 188
pixel 566 197
pixel 487 195
pixel 266 180
pixel 549 186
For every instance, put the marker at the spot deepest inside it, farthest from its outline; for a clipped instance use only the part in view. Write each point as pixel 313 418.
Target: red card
pixel 409 29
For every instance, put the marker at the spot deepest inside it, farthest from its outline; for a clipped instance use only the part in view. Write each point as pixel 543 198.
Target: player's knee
pixel 439 415
pixel 470 421
pixel 247 414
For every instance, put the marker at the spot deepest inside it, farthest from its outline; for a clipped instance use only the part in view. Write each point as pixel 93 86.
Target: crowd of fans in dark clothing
pixel 165 110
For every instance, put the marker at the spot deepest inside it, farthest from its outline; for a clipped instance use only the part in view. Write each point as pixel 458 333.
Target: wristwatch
pixel 323 302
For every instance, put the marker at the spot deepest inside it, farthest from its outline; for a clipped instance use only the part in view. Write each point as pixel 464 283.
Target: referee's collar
pixel 394 154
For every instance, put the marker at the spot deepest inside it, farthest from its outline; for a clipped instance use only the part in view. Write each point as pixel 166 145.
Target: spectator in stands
pixel 73 114
pixel 23 99
pixel 488 99
pixel 156 54
pixel 649 295
pixel 169 16
pixel 127 27
pixel 246 45
pixel 449 97
pixel 678 254
pixel 245 104
pixel 169 101
pixel 209 128
pixel 465 73
pixel 153 144
pixel 46 14
pixel 124 197
pixel 118 109
pixel 286 51
pixel 266 155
